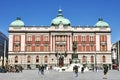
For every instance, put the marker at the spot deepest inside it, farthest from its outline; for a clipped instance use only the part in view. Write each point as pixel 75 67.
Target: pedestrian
pixel 20 68
pixel 42 70
pixel 39 69
pixel 75 68
pixel 105 67
pixel 82 70
pixel 96 68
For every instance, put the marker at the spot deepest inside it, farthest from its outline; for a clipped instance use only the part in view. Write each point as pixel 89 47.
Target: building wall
pixel 3 49
pixel 71 34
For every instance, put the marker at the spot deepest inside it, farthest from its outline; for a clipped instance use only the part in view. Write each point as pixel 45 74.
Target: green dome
pixel 17 23
pixel 60 20
pixel 101 23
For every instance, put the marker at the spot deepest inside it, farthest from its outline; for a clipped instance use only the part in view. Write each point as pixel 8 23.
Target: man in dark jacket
pixel 105 71
pixel 76 70
pixel 42 70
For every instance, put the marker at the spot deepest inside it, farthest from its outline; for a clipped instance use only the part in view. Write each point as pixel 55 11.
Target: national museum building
pixel 52 45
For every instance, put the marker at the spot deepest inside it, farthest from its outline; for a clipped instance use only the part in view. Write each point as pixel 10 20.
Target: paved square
pixel 54 75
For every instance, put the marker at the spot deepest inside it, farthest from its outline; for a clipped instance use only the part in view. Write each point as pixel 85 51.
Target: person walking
pixel 105 67
pixel 82 69
pixel 39 69
pixel 76 70
pixel 42 70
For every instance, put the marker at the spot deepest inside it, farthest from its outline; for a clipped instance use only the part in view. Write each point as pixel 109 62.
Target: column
pixel 70 42
pixel 54 43
pixel 97 42
pixel 23 42
pixel 10 43
pixel 51 43
pixel 108 42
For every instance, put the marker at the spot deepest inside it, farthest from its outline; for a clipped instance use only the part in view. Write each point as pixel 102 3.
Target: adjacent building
pixel 52 45
pixel 3 49
pixel 116 55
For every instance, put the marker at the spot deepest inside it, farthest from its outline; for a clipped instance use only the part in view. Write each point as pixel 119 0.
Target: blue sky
pixel 79 12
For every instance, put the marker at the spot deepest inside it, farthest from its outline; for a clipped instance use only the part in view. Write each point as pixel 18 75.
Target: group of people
pixel 105 70
pixel 75 69
pixel 41 69
pixel 11 69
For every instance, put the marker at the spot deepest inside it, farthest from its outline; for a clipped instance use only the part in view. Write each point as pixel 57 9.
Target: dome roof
pixel 101 23
pixel 60 20
pixel 17 23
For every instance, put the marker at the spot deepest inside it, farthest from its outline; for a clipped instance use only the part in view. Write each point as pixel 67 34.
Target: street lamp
pixel 95 65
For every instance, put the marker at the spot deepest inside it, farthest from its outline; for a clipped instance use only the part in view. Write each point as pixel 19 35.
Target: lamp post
pixel 95 64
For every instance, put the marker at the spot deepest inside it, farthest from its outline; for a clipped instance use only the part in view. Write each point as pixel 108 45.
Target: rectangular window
pixel 46 48
pixel 103 38
pixel 91 48
pixel 46 38
pixel 83 48
pixel 29 38
pixel 29 48
pixel 37 38
pixel 57 38
pixel 17 38
pixel 16 48
pixel 75 38
pixel 92 38
pixel 83 38
pixel 103 48
pixel 37 48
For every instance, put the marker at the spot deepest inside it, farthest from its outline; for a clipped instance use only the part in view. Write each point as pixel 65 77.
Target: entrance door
pixel 61 61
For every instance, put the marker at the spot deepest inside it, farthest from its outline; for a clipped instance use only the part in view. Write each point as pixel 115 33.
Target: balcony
pixel 61 43
pixel 16 43
pixel 103 43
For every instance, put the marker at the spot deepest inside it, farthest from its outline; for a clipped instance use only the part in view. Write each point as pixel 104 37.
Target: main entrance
pixel 61 61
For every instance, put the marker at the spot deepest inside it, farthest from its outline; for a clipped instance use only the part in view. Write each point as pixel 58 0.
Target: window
pixel 83 48
pixel 37 47
pixel 104 59
pixel 75 38
pixel 92 59
pixel 37 38
pixel 46 38
pixel 103 38
pixel 16 59
pixel 16 38
pixel 84 59
pixel 29 38
pixel 91 47
pixel 83 39
pixel 57 38
pixel 45 59
pixel 63 38
pixel 103 47
pixel 46 48
pixel 28 59
pixel 16 48
pixel 29 47
pixel 91 38
pixel 37 59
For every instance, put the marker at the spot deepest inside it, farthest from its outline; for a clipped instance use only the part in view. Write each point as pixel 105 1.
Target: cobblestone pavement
pixel 54 75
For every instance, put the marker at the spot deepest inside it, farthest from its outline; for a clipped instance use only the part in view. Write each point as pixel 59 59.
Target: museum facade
pixel 52 45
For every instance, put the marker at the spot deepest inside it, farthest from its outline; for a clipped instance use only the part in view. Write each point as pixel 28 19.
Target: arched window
pixel 84 59
pixel 46 59
pixel 16 59
pixel 104 58
pixel 37 59
pixel 28 59
pixel 92 59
